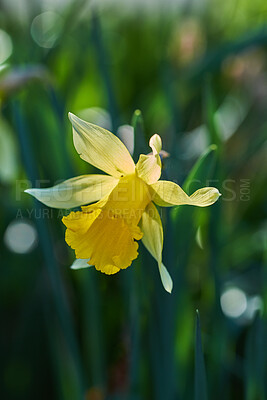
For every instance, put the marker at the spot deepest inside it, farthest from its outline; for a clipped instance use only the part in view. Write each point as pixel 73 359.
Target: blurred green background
pixel 197 70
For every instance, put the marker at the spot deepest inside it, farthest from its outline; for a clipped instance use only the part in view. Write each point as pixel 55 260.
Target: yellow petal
pixel 75 192
pixel 106 240
pixel 101 148
pixel 205 197
pixel 151 227
pixel 168 194
pixel 79 223
pixel 165 278
pixel 156 144
pixel 149 166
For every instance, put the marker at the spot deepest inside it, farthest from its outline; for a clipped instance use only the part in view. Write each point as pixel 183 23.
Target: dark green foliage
pixel 200 371
pixel 199 77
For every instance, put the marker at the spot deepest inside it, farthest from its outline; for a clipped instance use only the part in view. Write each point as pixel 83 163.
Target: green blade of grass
pixel 93 340
pixel 201 171
pixel 102 58
pixel 200 371
pixel 139 135
pixel 255 364
pixel 184 227
pixel 209 109
pixel 183 216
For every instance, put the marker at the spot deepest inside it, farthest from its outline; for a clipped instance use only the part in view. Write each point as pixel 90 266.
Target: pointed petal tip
pixel 166 278
pixel 80 263
pixel 72 117
pixel 217 194
pixel 169 290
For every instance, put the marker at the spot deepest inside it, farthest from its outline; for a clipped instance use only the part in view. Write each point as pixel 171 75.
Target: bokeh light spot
pixel 6 46
pixel 46 29
pixel 233 302
pixel 20 237
pixel 98 116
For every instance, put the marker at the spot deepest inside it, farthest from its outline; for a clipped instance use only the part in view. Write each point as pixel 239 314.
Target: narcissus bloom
pixel 118 208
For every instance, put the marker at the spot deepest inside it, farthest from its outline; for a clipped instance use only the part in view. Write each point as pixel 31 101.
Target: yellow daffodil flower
pixel 121 207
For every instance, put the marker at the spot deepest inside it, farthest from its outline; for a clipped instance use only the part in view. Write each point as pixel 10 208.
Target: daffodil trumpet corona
pixel 117 209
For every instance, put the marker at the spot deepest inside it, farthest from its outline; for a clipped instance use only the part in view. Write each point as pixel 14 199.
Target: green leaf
pixel 209 110
pixel 255 364
pixel 183 217
pixel 201 171
pixel 200 371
